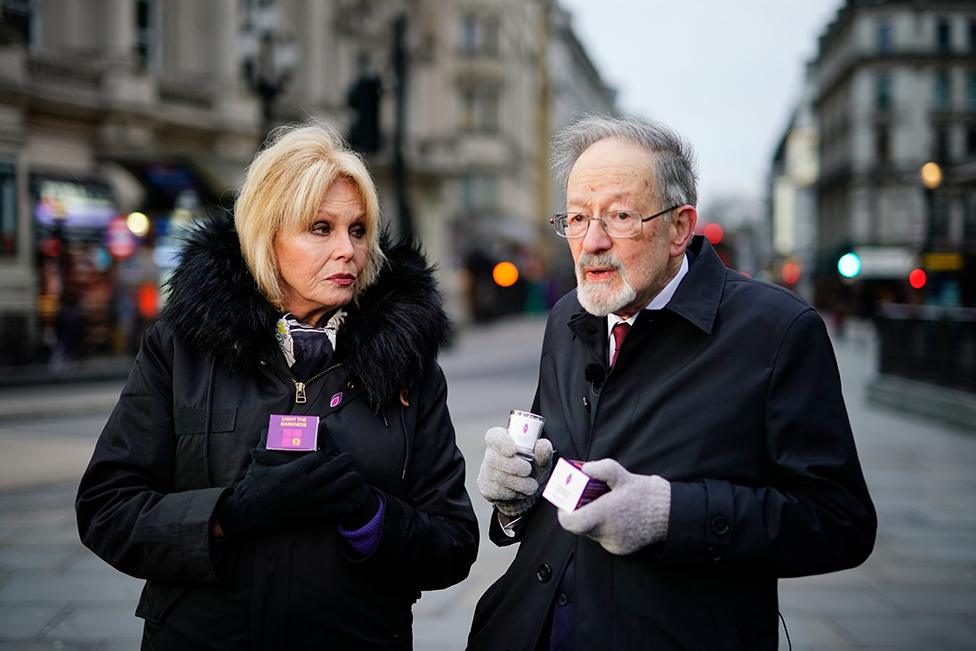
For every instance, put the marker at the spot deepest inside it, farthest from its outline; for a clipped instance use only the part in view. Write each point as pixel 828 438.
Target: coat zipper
pixel 300 398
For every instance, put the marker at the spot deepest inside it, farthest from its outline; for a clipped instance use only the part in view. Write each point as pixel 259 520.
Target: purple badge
pixel 292 432
pixel 336 399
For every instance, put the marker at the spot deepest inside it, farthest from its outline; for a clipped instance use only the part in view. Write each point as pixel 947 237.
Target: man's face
pixel 622 275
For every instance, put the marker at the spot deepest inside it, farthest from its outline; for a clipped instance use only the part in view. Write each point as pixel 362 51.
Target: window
pixel 479 35
pixel 943 41
pixel 940 145
pixel 8 209
pixel 477 193
pixel 886 41
pixel 22 20
pixel 147 33
pixel 971 89
pixel 488 111
pixel 882 145
pixel 883 92
pixel 942 89
pixel 469 34
pixel 969 223
pixel 971 141
pixel 938 216
pixel 468 113
pixel 479 109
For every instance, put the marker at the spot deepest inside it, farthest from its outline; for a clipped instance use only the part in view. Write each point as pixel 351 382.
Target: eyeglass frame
pixel 563 215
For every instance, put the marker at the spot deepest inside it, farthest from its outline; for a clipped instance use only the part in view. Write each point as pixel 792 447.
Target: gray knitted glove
pixel 633 514
pixel 511 483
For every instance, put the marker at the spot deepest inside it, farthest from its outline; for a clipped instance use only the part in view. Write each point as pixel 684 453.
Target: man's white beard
pixel 600 298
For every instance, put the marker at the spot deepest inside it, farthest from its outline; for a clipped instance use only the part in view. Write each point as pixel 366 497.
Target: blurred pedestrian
pixel 281 466
pixel 709 403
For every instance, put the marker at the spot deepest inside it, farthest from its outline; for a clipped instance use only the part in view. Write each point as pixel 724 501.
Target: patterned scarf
pixel 307 349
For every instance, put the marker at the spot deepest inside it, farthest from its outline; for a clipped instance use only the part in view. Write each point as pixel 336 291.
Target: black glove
pixel 312 487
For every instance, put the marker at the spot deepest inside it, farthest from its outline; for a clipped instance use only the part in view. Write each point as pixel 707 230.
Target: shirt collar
pixel 660 300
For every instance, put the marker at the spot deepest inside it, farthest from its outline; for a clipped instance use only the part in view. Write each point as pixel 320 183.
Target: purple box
pixel 594 488
pixel 293 433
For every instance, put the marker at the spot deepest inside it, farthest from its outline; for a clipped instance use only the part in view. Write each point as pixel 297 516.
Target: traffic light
pixel 790 273
pixel 849 265
pixel 917 278
pixel 364 100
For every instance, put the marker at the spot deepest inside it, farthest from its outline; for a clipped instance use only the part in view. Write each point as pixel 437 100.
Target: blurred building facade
pixel 792 200
pixel 114 107
pixel 894 88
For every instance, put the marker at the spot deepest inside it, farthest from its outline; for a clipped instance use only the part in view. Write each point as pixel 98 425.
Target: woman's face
pixel 320 263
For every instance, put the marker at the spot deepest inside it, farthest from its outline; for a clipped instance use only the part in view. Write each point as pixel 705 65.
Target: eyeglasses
pixel 616 223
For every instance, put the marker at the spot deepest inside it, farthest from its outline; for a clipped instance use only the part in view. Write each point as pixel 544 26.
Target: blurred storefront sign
pixel 885 261
pixel 119 238
pixel 942 261
pixel 72 203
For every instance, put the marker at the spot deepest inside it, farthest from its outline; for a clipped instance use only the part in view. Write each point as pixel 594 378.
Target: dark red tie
pixel 619 333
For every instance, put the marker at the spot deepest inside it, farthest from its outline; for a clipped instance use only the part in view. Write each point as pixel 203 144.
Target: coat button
pixel 562 599
pixel 720 525
pixel 543 573
pixel 714 553
pixel 350 385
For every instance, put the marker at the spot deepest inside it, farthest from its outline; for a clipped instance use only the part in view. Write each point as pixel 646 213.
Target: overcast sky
pixel 725 74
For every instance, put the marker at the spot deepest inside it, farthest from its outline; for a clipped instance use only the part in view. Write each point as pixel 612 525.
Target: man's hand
pixel 510 482
pixel 633 514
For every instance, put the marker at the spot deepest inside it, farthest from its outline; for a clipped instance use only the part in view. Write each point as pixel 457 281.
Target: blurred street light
pixel 505 274
pixel 931 175
pixel 138 223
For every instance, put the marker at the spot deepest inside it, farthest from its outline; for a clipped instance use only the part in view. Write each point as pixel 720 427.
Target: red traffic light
pixel 917 278
pixel 790 273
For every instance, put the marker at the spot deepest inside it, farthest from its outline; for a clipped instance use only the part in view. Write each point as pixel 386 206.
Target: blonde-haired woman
pixel 281 466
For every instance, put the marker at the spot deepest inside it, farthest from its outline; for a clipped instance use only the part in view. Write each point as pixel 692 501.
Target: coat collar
pixel 696 299
pixel 700 292
pixel 390 338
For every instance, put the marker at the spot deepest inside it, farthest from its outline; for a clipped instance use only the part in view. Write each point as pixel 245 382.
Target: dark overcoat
pixel 732 393
pixel 205 382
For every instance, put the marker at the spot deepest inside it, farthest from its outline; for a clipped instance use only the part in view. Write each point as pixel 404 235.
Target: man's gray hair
pixel 674 159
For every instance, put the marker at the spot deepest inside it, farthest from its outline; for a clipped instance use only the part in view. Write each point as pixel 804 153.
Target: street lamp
pixel 269 61
pixel 931 175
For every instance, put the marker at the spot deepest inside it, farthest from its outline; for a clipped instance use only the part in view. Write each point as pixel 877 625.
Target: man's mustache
pixel 603 260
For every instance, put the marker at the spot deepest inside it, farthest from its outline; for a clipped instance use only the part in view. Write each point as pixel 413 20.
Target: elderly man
pixel 711 405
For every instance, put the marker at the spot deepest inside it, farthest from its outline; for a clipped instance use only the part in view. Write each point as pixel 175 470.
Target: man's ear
pixel 683 221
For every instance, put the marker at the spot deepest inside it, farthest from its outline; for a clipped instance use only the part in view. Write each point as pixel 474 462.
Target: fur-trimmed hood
pixel 390 337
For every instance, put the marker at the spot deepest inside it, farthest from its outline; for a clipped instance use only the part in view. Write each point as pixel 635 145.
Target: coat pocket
pixel 158 599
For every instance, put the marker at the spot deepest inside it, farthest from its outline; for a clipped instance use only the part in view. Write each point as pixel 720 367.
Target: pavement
pixel 917 591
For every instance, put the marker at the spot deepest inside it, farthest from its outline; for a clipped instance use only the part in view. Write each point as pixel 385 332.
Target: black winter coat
pixel 205 381
pixel 732 393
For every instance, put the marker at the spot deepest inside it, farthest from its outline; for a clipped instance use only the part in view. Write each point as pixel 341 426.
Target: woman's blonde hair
pixel 284 188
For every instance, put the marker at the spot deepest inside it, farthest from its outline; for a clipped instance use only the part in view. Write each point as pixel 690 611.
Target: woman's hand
pixel 311 487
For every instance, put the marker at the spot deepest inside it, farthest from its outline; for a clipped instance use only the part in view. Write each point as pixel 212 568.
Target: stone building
pixel 894 89
pixel 115 107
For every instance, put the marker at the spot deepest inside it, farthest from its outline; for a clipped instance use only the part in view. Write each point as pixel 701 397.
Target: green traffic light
pixel 849 265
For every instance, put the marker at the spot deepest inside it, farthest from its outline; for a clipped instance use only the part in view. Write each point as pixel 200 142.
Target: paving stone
pixel 91 623
pixel 23 557
pixel 810 631
pixel 934 600
pixel 53 645
pixel 78 587
pixel 908 630
pixel 796 597
pixel 26 621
